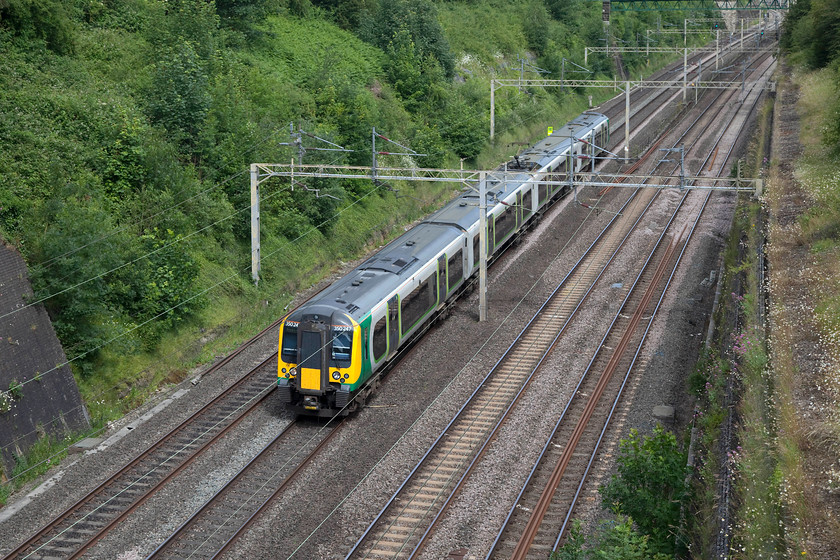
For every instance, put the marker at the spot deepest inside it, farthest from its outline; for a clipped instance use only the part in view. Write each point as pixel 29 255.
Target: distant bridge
pixel 663 5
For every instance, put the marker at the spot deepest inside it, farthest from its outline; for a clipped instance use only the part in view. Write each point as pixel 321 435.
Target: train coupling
pixel 311 403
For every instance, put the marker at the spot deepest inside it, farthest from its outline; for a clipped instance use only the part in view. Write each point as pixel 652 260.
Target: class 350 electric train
pixel 335 344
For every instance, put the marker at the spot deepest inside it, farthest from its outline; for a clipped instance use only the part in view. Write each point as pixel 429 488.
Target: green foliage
pixel 158 286
pixel 462 125
pixel 812 32
pixel 69 221
pixel 413 76
pixel 125 169
pixel 348 14
pixel 178 98
pixel 44 20
pixel 419 18
pixel 535 26
pixel 16 389
pixel 831 133
pixel 566 11
pixel 126 129
pixel 614 540
pixel 244 13
pixel 650 486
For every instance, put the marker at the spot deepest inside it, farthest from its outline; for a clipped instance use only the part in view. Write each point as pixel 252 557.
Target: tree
pixel 536 26
pixel 419 17
pixel 46 20
pixel 650 486
pixel 243 14
pixel 179 98
pixel 413 76
pixel 566 11
pixel 348 14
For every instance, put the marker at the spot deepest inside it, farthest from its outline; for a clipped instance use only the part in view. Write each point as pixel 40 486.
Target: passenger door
pixel 393 325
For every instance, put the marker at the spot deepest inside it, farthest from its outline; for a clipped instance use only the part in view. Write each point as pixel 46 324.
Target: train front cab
pixel 319 363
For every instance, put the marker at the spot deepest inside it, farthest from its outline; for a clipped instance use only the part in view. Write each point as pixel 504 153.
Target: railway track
pixel 403 525
pixel 213 528
pixel 71 533
pixel 536 524
pixel 529 530
pixel 82 525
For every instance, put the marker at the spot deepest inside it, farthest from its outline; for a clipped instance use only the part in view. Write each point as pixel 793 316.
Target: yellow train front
pixel 320 361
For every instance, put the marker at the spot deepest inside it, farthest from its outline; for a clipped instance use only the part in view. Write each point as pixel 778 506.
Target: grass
pixel 816 231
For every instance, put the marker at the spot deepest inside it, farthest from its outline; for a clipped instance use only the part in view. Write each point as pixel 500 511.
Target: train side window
pixel 527 201
pixel 560 169
pixel 505 223
pixel 417 304
pixel 380 339
pixel 455 270
pixel 289 345
pixel 543 190
pixel 476 248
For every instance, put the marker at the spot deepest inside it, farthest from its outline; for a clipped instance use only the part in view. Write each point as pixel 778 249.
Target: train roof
pixel 546 150
pixel 357 292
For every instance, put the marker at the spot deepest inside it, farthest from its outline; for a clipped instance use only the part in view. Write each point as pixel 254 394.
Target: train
pixel 332 347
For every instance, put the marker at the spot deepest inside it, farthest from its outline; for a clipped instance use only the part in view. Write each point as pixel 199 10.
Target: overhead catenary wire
pixel 200 293
pixel 88 434
pixel 455 378
pixel 518 119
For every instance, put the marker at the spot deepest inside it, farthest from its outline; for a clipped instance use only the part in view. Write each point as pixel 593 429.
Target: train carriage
pixel 332 345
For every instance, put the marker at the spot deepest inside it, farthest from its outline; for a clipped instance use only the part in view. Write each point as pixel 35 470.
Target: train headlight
pixel 292 372
pixel 336 375
pixel 283 370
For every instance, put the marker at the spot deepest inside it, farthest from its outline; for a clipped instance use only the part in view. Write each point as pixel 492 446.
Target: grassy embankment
pixel 807 386
pixel 773 505
pixel 72 104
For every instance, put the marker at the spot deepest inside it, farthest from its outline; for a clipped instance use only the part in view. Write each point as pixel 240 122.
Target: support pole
pixel 627 121
pixel 699 77
pixel 482 242
pixel 586 55
pixel 685 32
pixel 562 73
pixel 685 72
pixel 373 152
pixel 492 109
pixel 717 48
pixel 255 225
pixel 742 34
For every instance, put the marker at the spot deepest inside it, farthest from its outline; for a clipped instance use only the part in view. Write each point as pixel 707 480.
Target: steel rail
pixel 418 547
pixel 357 546
pixel 51 535
pixel 484 384
pixel 406 482
pixel 638 351
pixel 252 482
pixel 538 513
pixel 566 452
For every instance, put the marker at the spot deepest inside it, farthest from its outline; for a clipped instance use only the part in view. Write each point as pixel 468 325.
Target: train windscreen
pixel 341 346
pixel 289 351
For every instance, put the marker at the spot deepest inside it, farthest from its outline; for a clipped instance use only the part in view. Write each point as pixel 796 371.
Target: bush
pixel 614 540
pixel 650 486
pixel 179 98
pixel 45 20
